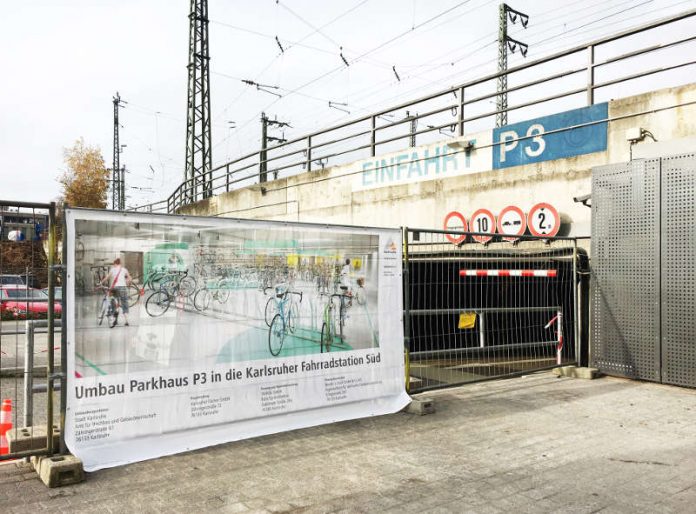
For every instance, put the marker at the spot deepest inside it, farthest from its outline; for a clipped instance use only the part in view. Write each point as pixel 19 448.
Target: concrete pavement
pixel 532 444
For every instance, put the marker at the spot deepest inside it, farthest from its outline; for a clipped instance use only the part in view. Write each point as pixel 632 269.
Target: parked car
pixel 12 280
pixel 57 293
pixel 21 302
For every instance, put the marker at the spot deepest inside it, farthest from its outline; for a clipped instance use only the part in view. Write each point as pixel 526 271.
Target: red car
pixel 22 302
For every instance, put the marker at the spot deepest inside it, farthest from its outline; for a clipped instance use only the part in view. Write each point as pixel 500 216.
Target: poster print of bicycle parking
pixel 169 293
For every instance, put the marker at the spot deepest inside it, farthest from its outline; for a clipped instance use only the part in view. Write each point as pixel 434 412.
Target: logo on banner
pixel 390 247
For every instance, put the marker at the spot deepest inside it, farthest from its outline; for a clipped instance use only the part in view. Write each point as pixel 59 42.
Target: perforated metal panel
pixel 625 269
pixel 678 211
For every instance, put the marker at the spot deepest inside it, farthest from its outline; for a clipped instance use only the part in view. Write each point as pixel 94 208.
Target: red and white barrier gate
pixel 547 273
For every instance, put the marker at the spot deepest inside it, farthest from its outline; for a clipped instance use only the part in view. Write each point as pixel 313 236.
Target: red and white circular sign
pixel 543 220
pixel 455 221
pixel 512 221
pixel 483 221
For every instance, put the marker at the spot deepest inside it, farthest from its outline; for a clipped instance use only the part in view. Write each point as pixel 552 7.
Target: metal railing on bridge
pixel 612 66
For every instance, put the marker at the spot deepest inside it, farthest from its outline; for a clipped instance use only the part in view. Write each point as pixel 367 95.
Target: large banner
pixel 188 332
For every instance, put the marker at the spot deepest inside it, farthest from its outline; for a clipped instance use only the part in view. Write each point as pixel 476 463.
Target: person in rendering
pixel 345 275
pixel 118 281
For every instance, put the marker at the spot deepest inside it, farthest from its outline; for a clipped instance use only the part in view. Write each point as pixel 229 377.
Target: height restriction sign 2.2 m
pixel 543 220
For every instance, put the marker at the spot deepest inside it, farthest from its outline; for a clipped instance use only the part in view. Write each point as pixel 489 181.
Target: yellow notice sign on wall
pixel 467 320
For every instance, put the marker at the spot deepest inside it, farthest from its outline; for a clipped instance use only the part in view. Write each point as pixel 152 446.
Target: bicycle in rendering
pixel 328 327
pixel 108 307
pixel 179 282
pixel 159 302
pixel 220 292
pixel 285 319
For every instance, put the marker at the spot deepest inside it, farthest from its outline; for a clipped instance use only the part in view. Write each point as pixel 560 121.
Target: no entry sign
pixel 543 220
pixel 483 220
pixel 512 221
pixel 457 222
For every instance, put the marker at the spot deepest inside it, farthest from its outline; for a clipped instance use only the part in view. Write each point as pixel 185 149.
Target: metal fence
pixel 31 309
pixel 478 310
pixel 611 67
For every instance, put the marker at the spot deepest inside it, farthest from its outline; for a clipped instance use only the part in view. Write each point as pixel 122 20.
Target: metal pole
pixel 263 165
pixel 413 126
pixel 29 374
pixel 576 310
pixel 460 123
pixel 64 336
pixel 309 153
pixel 116 166
pixel 373 136
pixel 482 330
pixel 590 75
pixel 50 325
pixel 407 305
pixel 501 100
pixel 559 348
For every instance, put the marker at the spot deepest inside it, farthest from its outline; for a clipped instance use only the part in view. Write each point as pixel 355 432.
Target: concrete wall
pixel 331 196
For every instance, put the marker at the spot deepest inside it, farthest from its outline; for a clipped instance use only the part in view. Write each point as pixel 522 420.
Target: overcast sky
pixel 65 59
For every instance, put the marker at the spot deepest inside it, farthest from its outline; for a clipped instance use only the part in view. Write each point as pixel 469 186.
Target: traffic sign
pixel 483 220
pixel 543 220
pixel 456 221
pixel 512 220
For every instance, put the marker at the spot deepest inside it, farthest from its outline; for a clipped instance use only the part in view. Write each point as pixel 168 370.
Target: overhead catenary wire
pixel 357 59
pixel 295 90
pixel 479 65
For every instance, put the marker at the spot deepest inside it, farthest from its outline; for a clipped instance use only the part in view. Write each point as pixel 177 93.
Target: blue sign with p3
pixel 527 142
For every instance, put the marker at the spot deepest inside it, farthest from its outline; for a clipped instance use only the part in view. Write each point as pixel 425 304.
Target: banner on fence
pixel 234 329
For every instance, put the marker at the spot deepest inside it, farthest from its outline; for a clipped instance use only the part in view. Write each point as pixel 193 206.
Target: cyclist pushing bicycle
pixel 118 279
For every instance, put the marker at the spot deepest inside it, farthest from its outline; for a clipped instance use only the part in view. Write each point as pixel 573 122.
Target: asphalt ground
pixel 531 444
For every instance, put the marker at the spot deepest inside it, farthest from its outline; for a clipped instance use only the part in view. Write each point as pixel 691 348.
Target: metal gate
pixel 479 310
pixel 31 311
pixel 643 269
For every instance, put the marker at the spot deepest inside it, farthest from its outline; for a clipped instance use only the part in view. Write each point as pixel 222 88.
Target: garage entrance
pixel 475 311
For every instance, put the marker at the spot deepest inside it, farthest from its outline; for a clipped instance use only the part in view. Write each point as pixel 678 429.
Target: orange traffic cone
pixel 5 425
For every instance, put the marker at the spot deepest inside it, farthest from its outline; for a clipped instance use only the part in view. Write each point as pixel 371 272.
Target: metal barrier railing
pixel 28 266
pixel 578 74
pixel 479 310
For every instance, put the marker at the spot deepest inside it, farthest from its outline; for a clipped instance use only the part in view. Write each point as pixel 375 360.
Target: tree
pixel 86 181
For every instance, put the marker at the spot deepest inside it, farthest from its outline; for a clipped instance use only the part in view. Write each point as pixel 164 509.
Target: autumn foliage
pixel 86 180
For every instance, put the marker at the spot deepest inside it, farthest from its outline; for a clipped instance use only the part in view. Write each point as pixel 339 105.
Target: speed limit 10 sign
pixel 483 220
pixel 543 220
pixel 512 221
